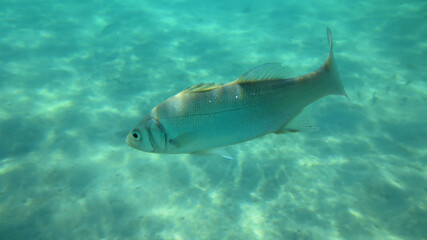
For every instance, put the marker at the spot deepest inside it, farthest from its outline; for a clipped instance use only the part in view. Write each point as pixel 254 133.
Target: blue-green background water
pixel 76 76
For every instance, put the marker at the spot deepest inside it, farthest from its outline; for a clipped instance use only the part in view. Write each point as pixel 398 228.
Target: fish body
pixel 207 116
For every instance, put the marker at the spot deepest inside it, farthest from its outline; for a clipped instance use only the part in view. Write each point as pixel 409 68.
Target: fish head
pixel 148 136
pixel 138 137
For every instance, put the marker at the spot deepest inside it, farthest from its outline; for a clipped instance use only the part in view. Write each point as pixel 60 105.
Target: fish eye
pixel 136 135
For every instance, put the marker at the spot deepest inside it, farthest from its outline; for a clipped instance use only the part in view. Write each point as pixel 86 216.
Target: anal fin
pixel 301 123
pixel 215 152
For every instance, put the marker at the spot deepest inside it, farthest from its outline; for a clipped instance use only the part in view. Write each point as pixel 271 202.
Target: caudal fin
pixel 331 70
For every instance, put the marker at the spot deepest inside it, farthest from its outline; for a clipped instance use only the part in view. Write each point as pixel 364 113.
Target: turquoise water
pixel 76 76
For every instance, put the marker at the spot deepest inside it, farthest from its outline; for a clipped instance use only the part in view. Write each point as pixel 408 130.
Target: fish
pixel 209 116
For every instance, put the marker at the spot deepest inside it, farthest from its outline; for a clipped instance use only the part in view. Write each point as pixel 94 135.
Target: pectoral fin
pixel 183 140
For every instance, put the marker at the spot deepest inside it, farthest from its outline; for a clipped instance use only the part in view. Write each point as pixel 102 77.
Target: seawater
pixel 76 76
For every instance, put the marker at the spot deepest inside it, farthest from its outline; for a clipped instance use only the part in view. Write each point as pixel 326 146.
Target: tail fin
pixel 330 68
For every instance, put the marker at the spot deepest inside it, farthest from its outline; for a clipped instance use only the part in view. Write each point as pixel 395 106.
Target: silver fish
pixel 207 116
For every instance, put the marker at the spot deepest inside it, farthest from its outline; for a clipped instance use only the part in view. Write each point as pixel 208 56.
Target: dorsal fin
pixel 268 71
pixel 201 87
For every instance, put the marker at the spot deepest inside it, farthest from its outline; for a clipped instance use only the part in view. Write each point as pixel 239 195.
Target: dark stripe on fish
pixel 162 130
pixel 150 137
pixel 153 142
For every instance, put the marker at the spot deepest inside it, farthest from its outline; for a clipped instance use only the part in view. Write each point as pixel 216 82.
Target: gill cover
pixel 156 135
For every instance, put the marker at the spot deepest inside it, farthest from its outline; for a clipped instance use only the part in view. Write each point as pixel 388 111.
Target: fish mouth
pixel 128 140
